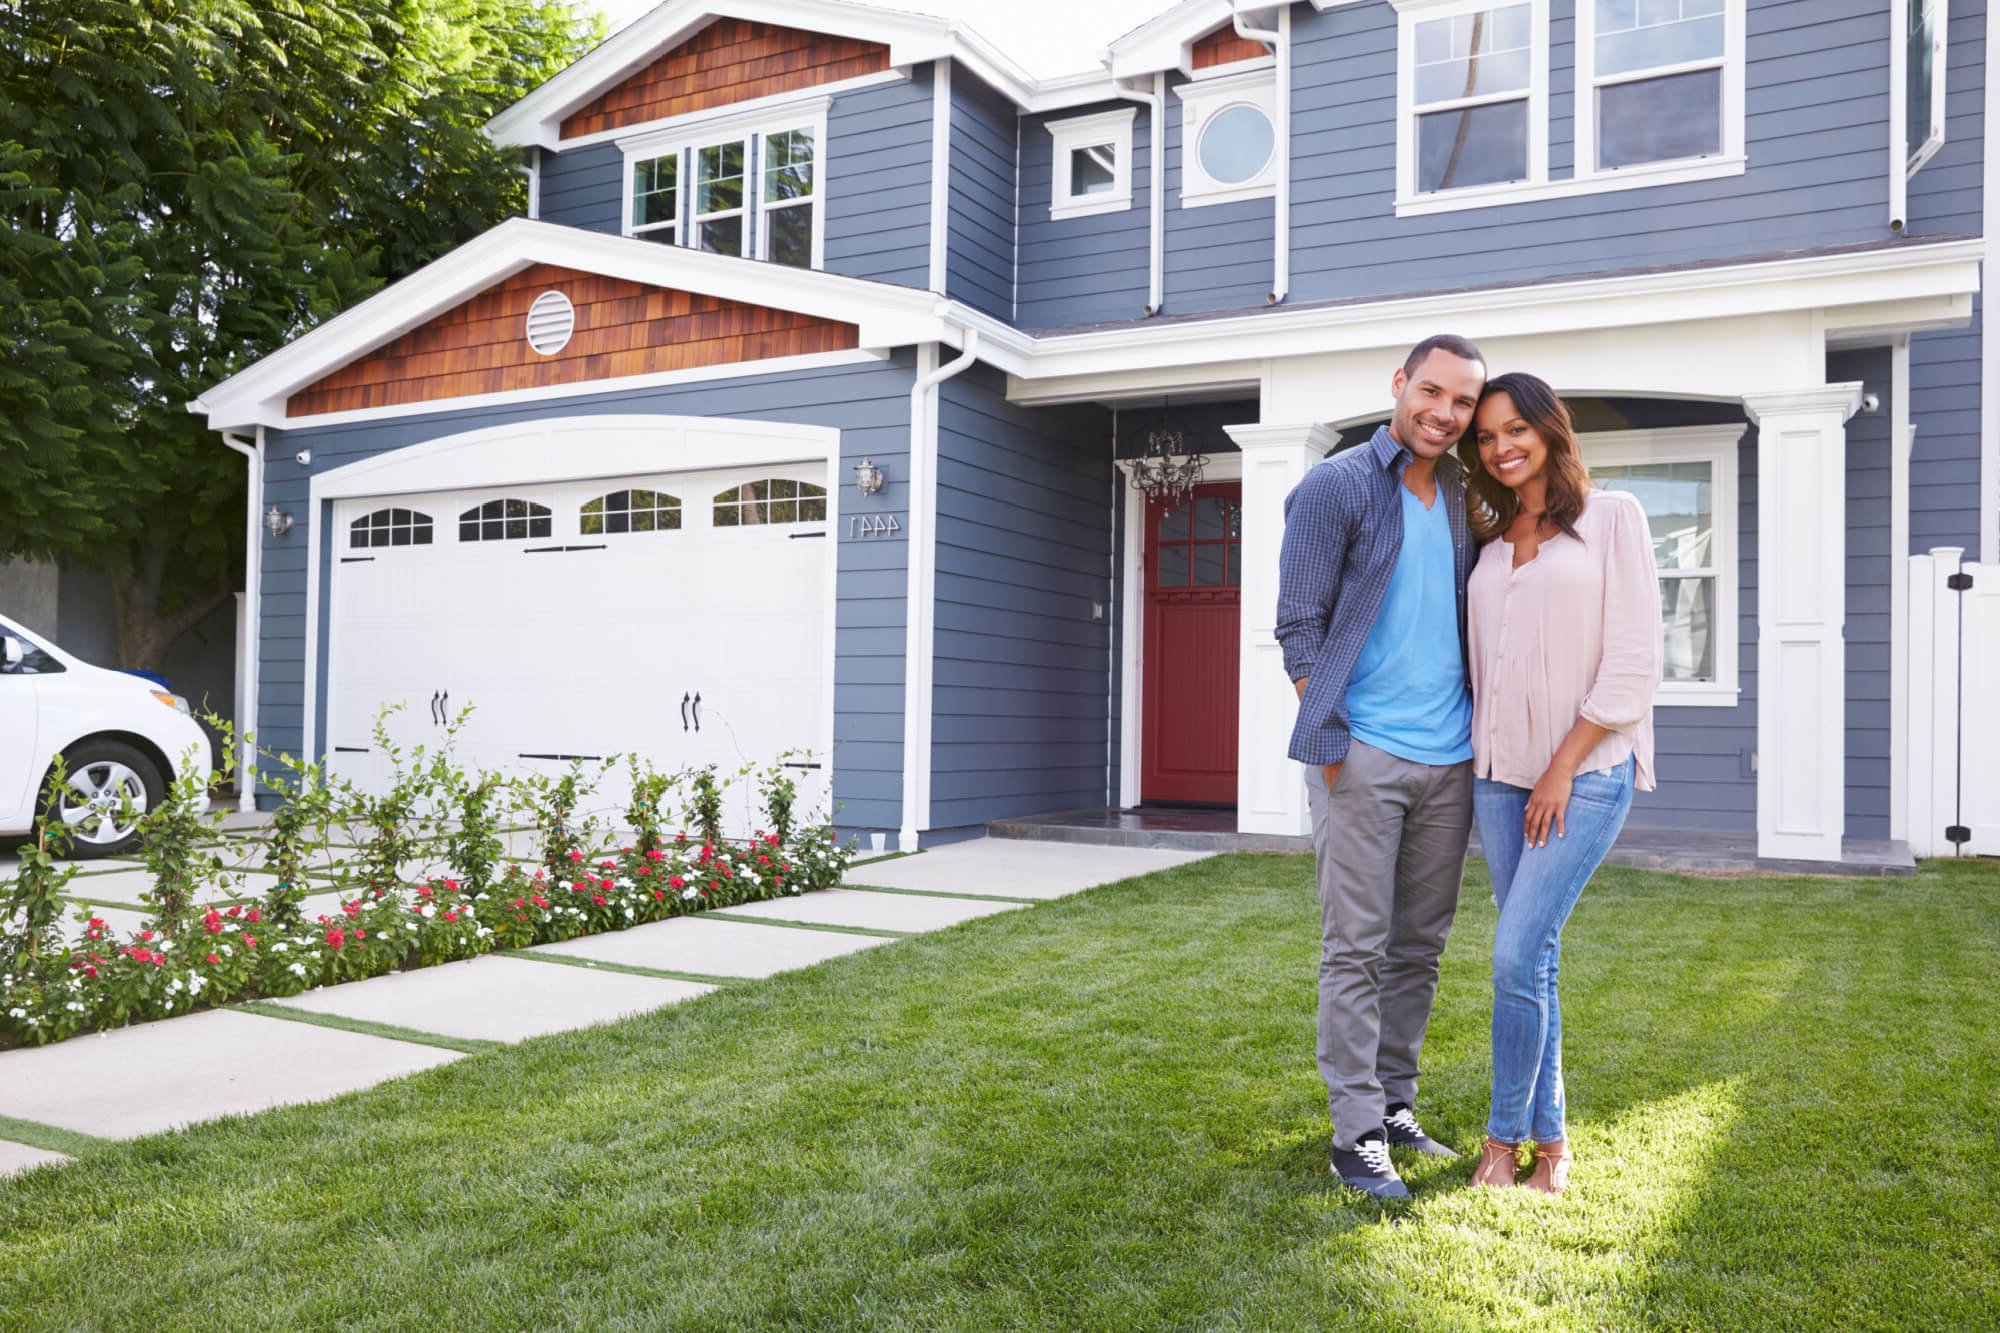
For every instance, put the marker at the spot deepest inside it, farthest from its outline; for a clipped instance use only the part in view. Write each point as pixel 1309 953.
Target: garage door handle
pixel 684 710
pixel 444 708
pixel 697 712
pixel 434 708
pixel 813 766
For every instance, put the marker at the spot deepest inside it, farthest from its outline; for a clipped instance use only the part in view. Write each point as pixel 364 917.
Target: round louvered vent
pixel 551 319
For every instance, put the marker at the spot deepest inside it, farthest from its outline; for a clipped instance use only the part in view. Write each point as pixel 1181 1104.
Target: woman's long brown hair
pixel 1494 506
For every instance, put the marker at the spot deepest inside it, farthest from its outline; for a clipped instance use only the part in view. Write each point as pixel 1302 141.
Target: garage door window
pixel 504 520
pixel 631 511
pixel 776 500
pixel 390 527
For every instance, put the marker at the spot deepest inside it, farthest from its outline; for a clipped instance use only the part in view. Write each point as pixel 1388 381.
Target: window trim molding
pixel 1940 57
pixel 1409 13
pixel 687 139
pixel 1203 100
pixel 1082 132
pixel 1719 446
pixel 1731 62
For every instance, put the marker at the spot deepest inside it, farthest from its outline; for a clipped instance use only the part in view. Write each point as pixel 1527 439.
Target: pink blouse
pixel 1573 633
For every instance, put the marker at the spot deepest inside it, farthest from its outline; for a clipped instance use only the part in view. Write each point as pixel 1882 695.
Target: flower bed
pixel 192 956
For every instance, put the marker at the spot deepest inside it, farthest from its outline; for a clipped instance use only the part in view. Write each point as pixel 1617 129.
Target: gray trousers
pixel 1391 841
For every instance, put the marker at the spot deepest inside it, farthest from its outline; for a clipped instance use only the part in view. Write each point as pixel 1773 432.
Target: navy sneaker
pixel 1403 1131
pixel 1366 1167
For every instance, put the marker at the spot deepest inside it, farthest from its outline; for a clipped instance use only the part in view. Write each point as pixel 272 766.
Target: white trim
pixel 533 170
pixel 1730 62
pixel 1989 347
pixel 1899 116
pixel 1410 13
pixel 694 134
pixel 1902 435
pixel 780 365
pixel 1940 59
pixel 1628 178
pixel 1203 102
pixel 249 618
pixel 1224 467
pixel 556 450
pixel 1081 132
pixel 756 110
pixel 1719 447
pixel 940 221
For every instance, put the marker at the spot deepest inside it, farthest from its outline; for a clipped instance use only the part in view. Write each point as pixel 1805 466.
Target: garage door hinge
pixel 1959 582
pixel 1957 834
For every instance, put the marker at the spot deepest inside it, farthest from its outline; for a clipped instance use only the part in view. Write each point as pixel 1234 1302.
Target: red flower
pixel 337 938
pixel 772 840
pixel 659 893
pixel 763 860
pixel 605 884
pixel 250 940
pixel 540 875
pixel 607 865
pixel 643 870
pixel 678 882
pixel 213 959
pixel 360 934
pixel 656 855
pixel 89 971
pixel 713 885
pixel 450 915
pixel 236 910
pixel 597 899
pixel 255 916
pixel 575 854
pixel 423 891
pixel 159 959
pixel 451 884
pixel 352 909
pixel 519 902
pixel 146 935
pixel 539 901
pixel 725 873
pixel 680 837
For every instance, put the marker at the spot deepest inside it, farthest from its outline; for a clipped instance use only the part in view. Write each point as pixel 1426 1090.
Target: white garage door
pixel 679 617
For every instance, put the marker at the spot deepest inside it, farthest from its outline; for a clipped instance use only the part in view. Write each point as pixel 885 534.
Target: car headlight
pixel 173 701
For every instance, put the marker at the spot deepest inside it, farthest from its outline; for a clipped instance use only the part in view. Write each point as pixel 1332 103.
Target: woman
pixel 1564 611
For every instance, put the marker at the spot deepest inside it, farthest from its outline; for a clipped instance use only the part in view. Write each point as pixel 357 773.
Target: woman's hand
pixel 1546 804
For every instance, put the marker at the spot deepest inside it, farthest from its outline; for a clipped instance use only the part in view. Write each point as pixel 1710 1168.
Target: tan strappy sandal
pixel 1497 1161
pixel 1550 1173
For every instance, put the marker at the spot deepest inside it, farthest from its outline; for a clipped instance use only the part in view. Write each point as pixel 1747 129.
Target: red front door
pixel 1194 593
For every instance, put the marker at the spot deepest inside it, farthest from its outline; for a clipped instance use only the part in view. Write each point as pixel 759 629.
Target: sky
pixel 1044 37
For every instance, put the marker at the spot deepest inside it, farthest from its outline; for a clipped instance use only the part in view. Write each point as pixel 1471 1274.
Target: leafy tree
pixel 188 185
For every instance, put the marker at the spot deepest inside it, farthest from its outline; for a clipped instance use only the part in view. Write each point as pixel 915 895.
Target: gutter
pixel 1899 114
pixel 919 639
pixel 1155 103
pixel 253 589
pixel 1279 39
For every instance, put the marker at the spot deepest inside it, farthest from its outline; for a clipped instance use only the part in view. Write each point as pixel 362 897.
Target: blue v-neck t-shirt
pixel 1408 694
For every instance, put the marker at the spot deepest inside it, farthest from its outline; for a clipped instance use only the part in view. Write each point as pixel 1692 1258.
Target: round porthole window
pixel 551 319
pixel 1236 144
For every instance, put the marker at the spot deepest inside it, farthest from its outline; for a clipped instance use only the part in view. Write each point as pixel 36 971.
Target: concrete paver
pixel 1017 867
pixel 18 1157
pixel 155 1076
pixel 497 998
pixel 714 948
pixel 874 911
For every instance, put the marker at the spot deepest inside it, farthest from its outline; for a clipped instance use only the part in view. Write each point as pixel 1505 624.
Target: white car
pixel 122 738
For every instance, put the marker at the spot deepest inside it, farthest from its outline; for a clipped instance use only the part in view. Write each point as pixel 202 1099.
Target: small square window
pixel 1091 170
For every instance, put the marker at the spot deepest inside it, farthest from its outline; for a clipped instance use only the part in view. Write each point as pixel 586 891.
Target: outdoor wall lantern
pixel 867 476
pixel 277 522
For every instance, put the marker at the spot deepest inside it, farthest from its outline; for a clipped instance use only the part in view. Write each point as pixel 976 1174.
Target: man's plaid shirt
pixel 1343 534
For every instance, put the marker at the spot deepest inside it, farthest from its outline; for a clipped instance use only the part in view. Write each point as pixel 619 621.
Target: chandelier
pixel 1165 472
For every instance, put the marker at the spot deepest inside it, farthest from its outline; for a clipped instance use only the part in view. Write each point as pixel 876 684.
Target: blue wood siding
pixel 985 138
pixel 1090 269
pixel 878 182
pixel 1946 197
pixel 1218 256
pixel 1868 575
pixel 1022 688
pixel 584 187
pixel 1816 103
pixel 869 404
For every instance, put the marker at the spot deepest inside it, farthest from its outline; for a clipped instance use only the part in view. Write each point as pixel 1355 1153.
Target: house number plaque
pixel 873 525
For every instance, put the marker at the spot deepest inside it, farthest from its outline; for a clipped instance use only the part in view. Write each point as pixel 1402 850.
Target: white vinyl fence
pixel 1954 706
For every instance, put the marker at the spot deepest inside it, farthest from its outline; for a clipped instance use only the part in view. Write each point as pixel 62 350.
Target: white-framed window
pixel 1685 479
pixel 751 186
pixel 1472 80
pixel 1092 170
pixel 630 511
pixel 506 520
pixel 390 527
pixel 1924 81
pixel 1229 138
pixel 773 500
pixel 1659 85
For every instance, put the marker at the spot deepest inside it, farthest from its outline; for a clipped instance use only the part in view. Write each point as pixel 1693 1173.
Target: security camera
pixel 303 457
pixel 1871 403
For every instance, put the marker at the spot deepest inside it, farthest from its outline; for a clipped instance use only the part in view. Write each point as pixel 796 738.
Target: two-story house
pixel 807 409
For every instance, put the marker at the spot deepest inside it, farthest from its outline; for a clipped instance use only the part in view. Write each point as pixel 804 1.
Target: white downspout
pixel 1155 103
pixel 1279 39
pixel 919 644
pixel 1899 111
pixel 532 169
pixel 253 587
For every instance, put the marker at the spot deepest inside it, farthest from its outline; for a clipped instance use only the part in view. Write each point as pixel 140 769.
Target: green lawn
pixel 1103 1113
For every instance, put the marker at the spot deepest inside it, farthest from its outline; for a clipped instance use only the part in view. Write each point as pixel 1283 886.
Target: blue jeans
pixel 1536 888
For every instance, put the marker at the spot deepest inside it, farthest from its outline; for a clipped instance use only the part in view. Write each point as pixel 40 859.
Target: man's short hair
pixel 1461 348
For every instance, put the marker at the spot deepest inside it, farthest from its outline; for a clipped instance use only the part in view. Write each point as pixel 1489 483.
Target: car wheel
pixel 110 785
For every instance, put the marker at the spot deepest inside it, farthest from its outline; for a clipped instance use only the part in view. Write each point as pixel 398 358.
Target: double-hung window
pixel 741 187
pixel 1657 83
pixel 1473 85
pixel 1923 59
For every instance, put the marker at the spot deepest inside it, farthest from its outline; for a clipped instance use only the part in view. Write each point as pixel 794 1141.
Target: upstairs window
pixel 1654 81
pixel 504 521
pixel 1478 112
pixel 1923 81
pixel 741 187
pixel 1092 165
pixel 776 500
pixel 656 199
pixel 1229 139
pixel 389 527
pixel 787 234
pixel 718 198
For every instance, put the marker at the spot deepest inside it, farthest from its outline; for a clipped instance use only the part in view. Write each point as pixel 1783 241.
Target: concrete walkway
pixel 340 1039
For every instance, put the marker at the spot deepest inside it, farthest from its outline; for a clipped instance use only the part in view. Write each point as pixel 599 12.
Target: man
pixel 1371 614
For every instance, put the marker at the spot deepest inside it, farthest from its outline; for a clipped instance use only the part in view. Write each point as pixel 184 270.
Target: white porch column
pixel 1801 619
pixel 1270 794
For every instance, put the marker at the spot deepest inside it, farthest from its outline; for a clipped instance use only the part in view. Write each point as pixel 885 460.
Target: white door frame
pixel 575 448
pixel 1132 667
